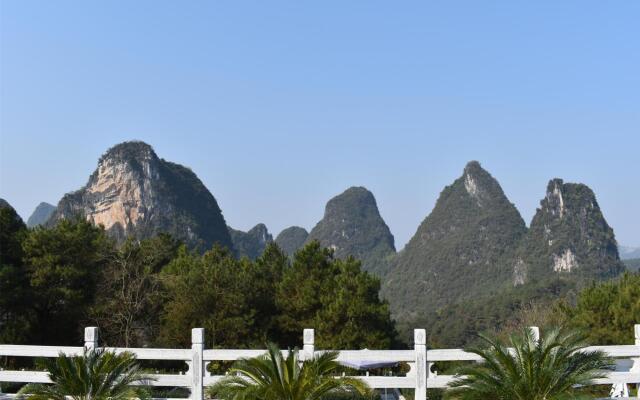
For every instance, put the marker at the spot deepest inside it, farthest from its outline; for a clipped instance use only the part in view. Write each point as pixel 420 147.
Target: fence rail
pixel 419 377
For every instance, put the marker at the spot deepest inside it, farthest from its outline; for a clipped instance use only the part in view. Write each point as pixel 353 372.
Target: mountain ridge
pixel 352 226
pixel 460 249
pixel 41 214
pixel 252 243
pixel 133 192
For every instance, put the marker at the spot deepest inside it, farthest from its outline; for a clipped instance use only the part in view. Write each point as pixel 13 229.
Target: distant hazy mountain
pixel 462 249
pixel 135 193
pixel 352 226
pixel 252 243
pixel 628 252
pixel 41 214
pixel 291 239
pixel 632 264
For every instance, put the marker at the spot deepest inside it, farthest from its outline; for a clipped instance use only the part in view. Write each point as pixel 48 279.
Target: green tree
pixel 264 275
pixel 129 297
pixel 15 300
pixel 63 264
pixel 549 369
pixel 94 375
pixel 336 298
pixel 208 291
pixel 275 377
pixel 352 314
pixel 608 310
pixel 298 295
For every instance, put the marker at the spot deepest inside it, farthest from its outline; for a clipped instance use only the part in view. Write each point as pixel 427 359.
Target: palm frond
pixel 549 369
pixel 274 376
pixel 94 375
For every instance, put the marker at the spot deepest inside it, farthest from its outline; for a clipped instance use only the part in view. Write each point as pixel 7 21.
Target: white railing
pixel 420 360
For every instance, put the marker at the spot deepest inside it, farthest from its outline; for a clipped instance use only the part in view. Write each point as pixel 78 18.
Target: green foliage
pixel 63 264
pixel 550 369
pixel 275 377
pixel 263 276
pixel 12 233
pixel 336 298
pixel 532 304
pixel 15 315
pixel 59 278
pixel 207 291
pixel 130 293
pixel 242 303
pixel 354 310
pixel 95 375
pixel 608 310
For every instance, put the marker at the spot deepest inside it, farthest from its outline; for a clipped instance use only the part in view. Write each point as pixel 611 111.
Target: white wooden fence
pixel 420 376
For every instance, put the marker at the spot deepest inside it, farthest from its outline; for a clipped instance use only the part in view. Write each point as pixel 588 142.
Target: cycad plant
pixel 94 375
pixel 273 376
pixel 552 368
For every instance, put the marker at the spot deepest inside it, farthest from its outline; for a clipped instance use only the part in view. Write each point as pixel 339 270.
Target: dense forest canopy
pixel 56 280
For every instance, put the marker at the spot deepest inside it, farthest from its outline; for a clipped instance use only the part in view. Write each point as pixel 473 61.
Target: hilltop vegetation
pixel 352 226
pixel 462 250
pixel 474 260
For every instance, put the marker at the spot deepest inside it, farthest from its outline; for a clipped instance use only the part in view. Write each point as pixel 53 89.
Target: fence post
pixel 420 347
pixel 536 333
pixel 308 343
pixel 197 347
pixel 90 337
pixel 636 361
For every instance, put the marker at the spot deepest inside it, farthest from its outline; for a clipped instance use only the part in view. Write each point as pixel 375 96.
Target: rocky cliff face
pixel 352 226
pixel 462 249
pixel 291 239
pixel 135 193
pixel 41 214
pixel 251 244
pixel 569 238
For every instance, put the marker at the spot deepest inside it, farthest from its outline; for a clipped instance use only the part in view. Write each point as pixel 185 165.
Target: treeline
pixel 57 280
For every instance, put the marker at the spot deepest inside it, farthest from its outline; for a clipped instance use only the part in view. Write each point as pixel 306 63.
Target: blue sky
pixel 278 106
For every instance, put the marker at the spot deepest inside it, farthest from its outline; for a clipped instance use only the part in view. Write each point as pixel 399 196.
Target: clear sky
pixel 278 106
